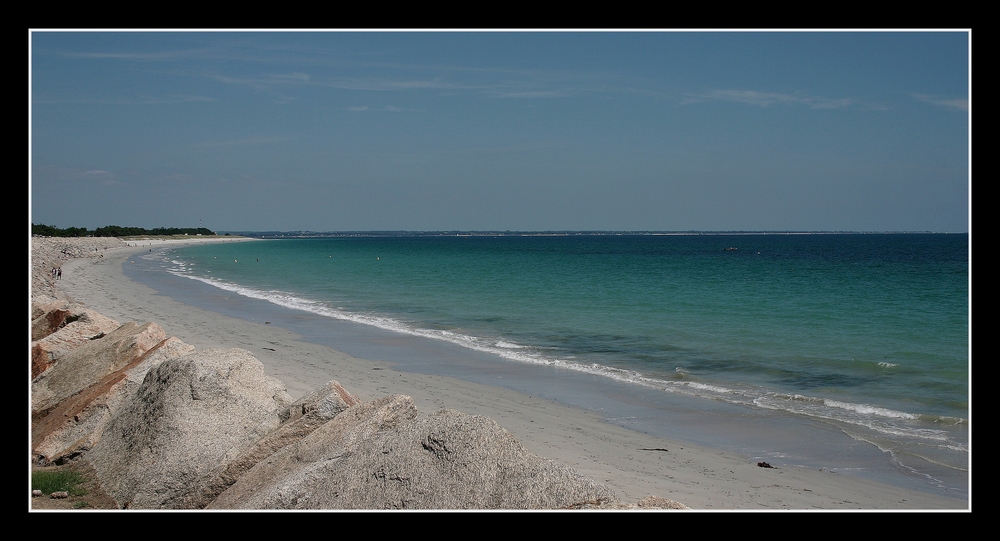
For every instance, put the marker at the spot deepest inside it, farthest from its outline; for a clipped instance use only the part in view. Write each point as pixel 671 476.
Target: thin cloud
pixel 516 83
pixel 495 82
pixel 247 141
pixel 49 173
pixel 292 77
pixel 271 82
pixel 382 84
pixel 140 100
pixel 177 178
pixel 953 104
pixel 535 94
pixel 144 57
pixel 267 83
pixel 767 99
pixel 387 108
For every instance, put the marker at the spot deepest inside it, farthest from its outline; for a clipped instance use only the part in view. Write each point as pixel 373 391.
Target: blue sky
pixel 328 131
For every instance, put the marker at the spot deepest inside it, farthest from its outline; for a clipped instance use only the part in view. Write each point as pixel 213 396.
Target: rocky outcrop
pixel 59 316
pixel 47 315
pixel 76 424
pixel 62 327
pixel 191 417
pixel 303 417
pixel 382 455
pixel 84 366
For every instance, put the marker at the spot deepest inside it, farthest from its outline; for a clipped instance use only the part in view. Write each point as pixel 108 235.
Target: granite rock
pixel 382 455
pixel 77 423
pixel 190 418
pixel 79 368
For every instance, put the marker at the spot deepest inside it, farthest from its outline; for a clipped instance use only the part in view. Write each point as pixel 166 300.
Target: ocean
pixel 847 352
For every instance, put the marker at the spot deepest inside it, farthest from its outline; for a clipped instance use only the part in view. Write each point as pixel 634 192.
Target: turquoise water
pixel 865 334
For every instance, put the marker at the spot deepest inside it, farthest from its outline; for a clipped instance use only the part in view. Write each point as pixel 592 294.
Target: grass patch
pixel 54 481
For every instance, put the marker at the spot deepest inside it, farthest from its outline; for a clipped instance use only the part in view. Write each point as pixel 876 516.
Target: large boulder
pixel 87 364
pixel 303 417
pixel 59 315
pixel 381 455
pixel 77 423
pixel 189 419
pixel 62 328
pixel 42 304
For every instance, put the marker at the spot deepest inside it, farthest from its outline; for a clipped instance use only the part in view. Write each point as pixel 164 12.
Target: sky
pixel 521 131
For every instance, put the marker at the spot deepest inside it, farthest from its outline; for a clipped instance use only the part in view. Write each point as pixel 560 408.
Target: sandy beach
pixel 633 464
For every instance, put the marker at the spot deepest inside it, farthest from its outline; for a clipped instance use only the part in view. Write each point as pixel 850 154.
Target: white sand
pixel 699 477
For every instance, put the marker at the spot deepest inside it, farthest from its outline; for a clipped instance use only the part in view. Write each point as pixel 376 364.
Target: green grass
pixel 54 481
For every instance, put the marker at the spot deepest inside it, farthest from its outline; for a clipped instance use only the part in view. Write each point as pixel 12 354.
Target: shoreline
pixel 633 464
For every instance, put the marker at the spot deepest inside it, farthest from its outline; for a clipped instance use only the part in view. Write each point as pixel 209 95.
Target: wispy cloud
pixel 444 80
pixel 266 83
pixel 177 178
pixel 961 104
pixel 767 99
pixel 246 141
pixel 136 100
pixel 534 94
pixel 386 108
pixel 273 82
pixel 102 177
pixel 236 63
pixel 292 77
pixel 383 84
pixel 143 57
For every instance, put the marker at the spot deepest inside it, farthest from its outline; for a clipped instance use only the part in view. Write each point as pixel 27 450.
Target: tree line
pixel 116 231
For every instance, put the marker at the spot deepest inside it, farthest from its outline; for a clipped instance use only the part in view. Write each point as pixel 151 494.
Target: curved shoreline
pixel 633 464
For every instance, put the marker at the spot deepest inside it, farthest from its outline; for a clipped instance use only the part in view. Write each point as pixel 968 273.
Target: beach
pixel 633 464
